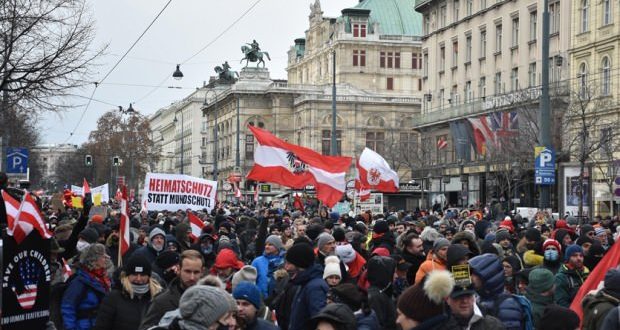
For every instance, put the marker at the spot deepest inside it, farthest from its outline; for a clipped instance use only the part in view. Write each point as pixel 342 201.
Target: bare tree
pixel 44 52
pixel 606 163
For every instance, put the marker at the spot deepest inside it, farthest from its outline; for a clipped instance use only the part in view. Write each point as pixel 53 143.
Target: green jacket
pixel 595 308
pixel 538 305
pixel 567 283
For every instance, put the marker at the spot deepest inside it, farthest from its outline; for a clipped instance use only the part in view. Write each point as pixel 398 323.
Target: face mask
pixel 551 255
pixel 207 249
pixel 140 288
pixel 82 245
pixel 169 275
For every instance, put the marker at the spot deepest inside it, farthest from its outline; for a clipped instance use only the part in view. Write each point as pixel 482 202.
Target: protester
pixel 350 294
pixel 422 305
pixel 464 312
pixel 571 276
pixel 558 318
pixel 596 305
pixel 334 317
pixel 155 245
pixel 249 302
pixel 436 259
pixel 380 275
pixel 540 292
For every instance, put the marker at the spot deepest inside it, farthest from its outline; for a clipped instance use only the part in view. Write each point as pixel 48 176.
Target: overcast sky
pixel 184 28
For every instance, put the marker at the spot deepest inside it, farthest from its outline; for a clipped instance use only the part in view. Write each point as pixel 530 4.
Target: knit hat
pixel 247 273
pixel 138 265
pixel 425 299
pixel 314 230
pixel 167 259
pixel 339 314
pixel 276 241
pixel 323 239
pixel 552 242
pixel 339 234
pixel 227 258
pixel 201 306
pixel 507 223
pixel 572 249
pixel 381 251
pixel 156 231
pixel 572 220
pixel 300 255
pixel 89 235
pixel 555 317
pixel 501 235
pixel 514 262
pixel 540 280
pixel 346 253
pixel 456 253
pixel 349 294
pixel 96 218
pixel 583 239
pixel 533 234
pixel 380 227
pixel 332 267
pixel 612 282
pixel 248 291
pixel 600 231
pixel 439 243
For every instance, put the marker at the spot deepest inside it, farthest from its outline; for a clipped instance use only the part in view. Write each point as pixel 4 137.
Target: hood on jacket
pixel 346 253
pixel 380 271
pixel 154 232
pixel 471 240
pixel 489 268
pixel 227 258
pixel 305 276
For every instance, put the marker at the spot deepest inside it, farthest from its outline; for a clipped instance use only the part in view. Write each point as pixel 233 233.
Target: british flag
pixel 504 123
pixel 29 273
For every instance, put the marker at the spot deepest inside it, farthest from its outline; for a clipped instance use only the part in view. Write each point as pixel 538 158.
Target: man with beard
pixel 413 253
pixel 156 244
pixel 271 260
pixel 571 276
pixel 326 244
pixel 191 270
pixel 248 300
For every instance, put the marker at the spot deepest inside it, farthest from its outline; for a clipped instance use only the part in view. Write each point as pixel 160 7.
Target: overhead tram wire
pixel 114 67
pixel 202 49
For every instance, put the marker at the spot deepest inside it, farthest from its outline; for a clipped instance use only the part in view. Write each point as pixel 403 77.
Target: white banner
pixel 99 194
pixel 178 192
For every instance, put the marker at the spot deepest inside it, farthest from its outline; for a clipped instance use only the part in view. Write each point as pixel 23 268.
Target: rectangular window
pixel 497 88
pixel 326 141
pixel 483 43
pixel 427 24
pixel 470 7
pixel 249 146
pixel 606 12
pixel 443 13
pixel 409 143
pixel 419 84
pixel 397 60
pixel 531 74
pixel 382 59
pixel 455 9
pixel 585 15
pixel 514 79
pixel 390 83
pixel 442 154
pixel 554 17
pixel 442 58
pixel 498 38
pixel 483 87
pixel 454 95
pixel 390 59
pixel 359 57
pixel 533 25
pixel 376 141
pixel 414 61
pixel 359 30
pixel 455 54
pixel 483 4
pixel 467 92
pixel 442 97
pixel 468 48
pixel 425 65
pixel 515 31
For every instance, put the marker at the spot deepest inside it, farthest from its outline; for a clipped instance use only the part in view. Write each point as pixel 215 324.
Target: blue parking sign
pixel 544 169
pixel 16 160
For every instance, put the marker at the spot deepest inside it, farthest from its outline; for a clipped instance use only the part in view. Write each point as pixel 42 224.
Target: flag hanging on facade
pixel 374 172
pixel 442 143
pixel 124 226
pixel 196 226
pixel 294 166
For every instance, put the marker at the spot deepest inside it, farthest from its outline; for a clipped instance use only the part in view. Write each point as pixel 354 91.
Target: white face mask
pixel 82 245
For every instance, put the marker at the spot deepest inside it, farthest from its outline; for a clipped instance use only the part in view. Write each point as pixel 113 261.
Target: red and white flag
pixel 364 194
pixel 66 270
pixel 85 188
pixel 237 191
pixel 374 172
pixel 118 196
pixel 23 217
pixel 442 143
pixel 256 193
pixel 196 226
pixel 294 166
pixel 124 240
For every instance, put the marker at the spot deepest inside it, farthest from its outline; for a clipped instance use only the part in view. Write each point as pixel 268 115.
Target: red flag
pixel 298 204
pixel 23 217
pixel 442 143
pixel 124 239
pixel 364 194
pixel 374 172
pixel 85 188
pixel 597 275
pixel 294 166
pixel 196 226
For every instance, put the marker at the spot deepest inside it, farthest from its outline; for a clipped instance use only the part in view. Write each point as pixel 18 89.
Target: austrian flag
pixel 294 166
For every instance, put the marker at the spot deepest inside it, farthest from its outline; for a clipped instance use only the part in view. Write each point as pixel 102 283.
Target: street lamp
pixel 516 170
pixel 182 136
pixel 429 177
pixel 177 75
pixel 215 129
pixel 131 112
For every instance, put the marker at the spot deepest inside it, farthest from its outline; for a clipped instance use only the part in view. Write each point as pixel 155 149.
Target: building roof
pixel 395 17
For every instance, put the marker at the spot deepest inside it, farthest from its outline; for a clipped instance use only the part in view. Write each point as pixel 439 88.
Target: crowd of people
pixel 273 268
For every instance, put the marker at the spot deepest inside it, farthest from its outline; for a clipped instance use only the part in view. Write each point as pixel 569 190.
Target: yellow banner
pixel 77 202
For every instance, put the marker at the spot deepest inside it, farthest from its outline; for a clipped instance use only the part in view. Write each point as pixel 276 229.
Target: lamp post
pixel 429 177
pixel 182 138
pixel 130 111
pixel 544 113
pixel 516 170
pixel 215 129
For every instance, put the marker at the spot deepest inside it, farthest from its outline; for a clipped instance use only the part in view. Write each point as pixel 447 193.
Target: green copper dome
pixel 395 17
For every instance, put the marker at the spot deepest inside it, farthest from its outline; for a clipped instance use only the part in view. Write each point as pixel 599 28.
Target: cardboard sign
pixel 178 192
pixel 462 275
pixel 26 278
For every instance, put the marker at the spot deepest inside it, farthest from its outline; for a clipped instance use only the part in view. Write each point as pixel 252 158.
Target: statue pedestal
pixel 254 73
pixel 253 79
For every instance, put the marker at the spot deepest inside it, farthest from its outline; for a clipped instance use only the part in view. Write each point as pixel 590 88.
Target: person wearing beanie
pixel 331 273
pixel 311 294
pixel 247 273
pixel 533 256
pixel 156 244
pixel 124 306
pixel 167 266
pixel 205 307
pixel 249 302
pixel 559 318
pixel 380 275
pixel 351 295
pixel 512 265
pixel 468 239
pixel 382 236
pixel 552 253
pixel 266 264
pixel 435 260
pixel 86 237
pixel 334 317
pixel 504 238
pixel 540 292
pixel 488 277
pixel 598 304
pixel 422 306
pixel 571 276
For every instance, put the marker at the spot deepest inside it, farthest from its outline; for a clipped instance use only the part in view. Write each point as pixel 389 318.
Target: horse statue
pixel 224 72
pixel 253 54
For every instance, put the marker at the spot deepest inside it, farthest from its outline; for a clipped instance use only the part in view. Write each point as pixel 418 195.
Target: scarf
pixel 101 276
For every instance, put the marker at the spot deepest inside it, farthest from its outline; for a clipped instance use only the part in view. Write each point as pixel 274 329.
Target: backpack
pixel 527 320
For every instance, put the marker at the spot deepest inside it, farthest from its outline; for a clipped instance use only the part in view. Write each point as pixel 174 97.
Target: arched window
pixel 585 9
pixel 583 80
pixel 606 68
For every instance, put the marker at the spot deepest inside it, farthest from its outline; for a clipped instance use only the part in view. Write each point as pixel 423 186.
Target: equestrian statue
pixel 253 53
pixel 224 72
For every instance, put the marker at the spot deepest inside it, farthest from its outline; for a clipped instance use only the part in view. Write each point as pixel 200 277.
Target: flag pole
pixel 257 195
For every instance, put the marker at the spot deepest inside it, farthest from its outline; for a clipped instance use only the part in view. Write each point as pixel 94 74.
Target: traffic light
pixel 88 160
pixel 116 161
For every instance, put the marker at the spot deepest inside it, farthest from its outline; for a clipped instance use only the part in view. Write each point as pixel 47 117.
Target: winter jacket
pixel 480 323
pixel 367 321
pixel 539 303
pixel 81 300
pixel 119 311
pixel 567 283
pixel 612 320
pixel 260 324
pixel 431 263
pixel 432 323
pixel 382 304
pixel 380 276
pixel 310 298
pixel 166 301
pixel 415 261
pixel 595 308
pixel 265 266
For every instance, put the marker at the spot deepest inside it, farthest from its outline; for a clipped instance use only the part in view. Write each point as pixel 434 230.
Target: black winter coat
pixel 119 312
pixel 164 302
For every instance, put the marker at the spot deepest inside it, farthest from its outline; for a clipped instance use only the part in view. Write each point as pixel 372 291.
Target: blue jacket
pixel 80 301
pixel 265 266
pixel 506 308
pixel 310 298
pixel 367 322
